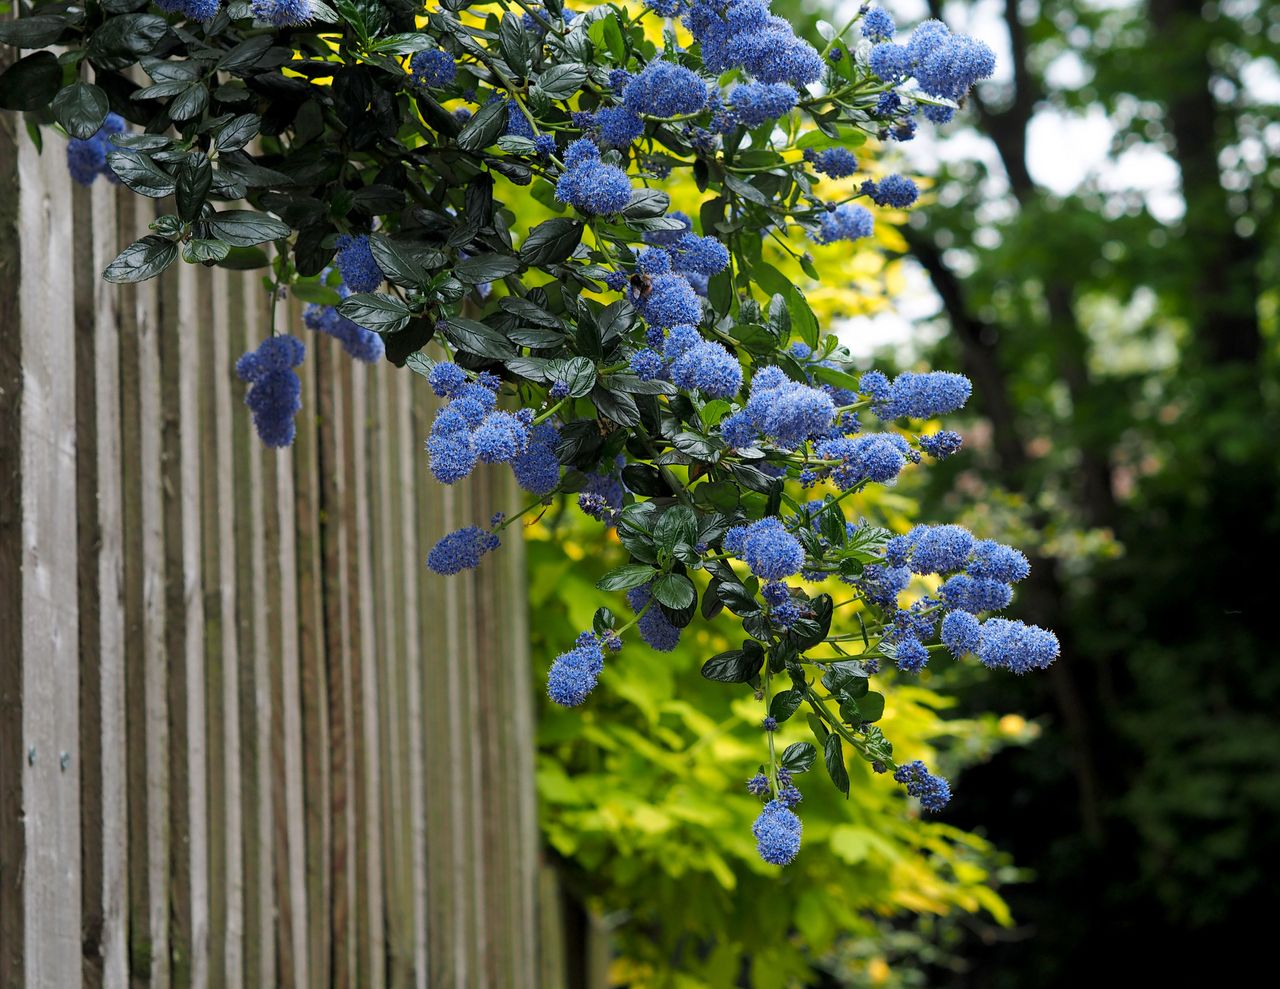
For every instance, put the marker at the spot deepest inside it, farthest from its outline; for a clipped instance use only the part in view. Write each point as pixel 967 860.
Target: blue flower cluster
pixel 433 67
pixel 588 184
pixel 709 368
pixel 275 392
pixel 470 429
pixel 787 412
pixel 360 272
pixel 877 25
pixel 777 833
pixel 848 221
pixel 537 470
pixel 836 163
pixel 461 550
pixel 877 457
pixel 663 89
pixel 284 13
pixel 573 675
pixel 892 190
pixel 933 792
pixel 87 159
pixel 748 36
pixel 1014 646
pixel 756 103
pixel 359 343
pixel 944 64
pixel 654 626
pixel 768 549
pixel 196 10
pixel 922 396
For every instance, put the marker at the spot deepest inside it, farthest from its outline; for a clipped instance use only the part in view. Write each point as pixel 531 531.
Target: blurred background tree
pixel 1117 312
pixel 1098 251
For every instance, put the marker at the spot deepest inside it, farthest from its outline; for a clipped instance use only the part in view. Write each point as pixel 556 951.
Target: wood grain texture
pixel 294 756
pixel 50 630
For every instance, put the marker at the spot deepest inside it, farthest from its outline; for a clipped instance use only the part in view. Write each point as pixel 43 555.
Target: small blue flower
pixel 619 127
pixel 653 625
pixel 892 190
pixel 1014 646
pixel 878 25
pixel 758 785
pixel 975 594
pixel 355 260
pixel 461 550
pixel 769 724
pixel 710 369
pixel 889 62
pixel 573 675
pixel 665 90
pixel 837 163
pixel 849 221
pixel 433 67
pixel 590 185
pixel 996 561
pixel 756 103
pixel 698 255
pixel 275 391
pixel 941 444
pixel 786 411
pixel 922 396
pixel 653 261
pixel 284 13
pixel 446 378
pixel 911 655
pixel 960 632
pixel 500 438
pixel 777 833
pixel 939 548
pixel 545 145
pixel 933 792
pixel 646 364
pixel 671 301
pixel 768 549
pixel 537 470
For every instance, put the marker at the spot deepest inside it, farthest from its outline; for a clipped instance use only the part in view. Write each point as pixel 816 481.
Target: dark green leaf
pixel 551 241
pixel 485 268
pixel 375 311
pixel 194 179
pixel 617 407
pixel 80 109
pixel 833 755
pixel 31 82
pixel 121 41
pixel 625 578
pixel 397 262
pixel 785 704
pixel 476 338
pixel 646 203
pixel 200 251
pixel 141 174
pixel 245 228
pixel 799 757
pixel 37 31
pixel 484 127
pixel 238 132
pixel 734 666
pixel 578 373
pixel 674 590
pixel 142 259
pixel 561 81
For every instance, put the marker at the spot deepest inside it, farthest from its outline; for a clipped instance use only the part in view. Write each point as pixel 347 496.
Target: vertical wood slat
pixel 226 821
pixel 113 742
pixel 321 756
pixel 49 660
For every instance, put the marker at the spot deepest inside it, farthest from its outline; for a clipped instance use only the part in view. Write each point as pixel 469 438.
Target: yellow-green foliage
pixel 641 789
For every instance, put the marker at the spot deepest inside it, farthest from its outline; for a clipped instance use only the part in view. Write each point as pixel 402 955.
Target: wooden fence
pixel 246 738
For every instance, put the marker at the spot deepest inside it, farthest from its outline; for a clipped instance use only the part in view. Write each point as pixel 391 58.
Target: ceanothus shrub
pixel 652 363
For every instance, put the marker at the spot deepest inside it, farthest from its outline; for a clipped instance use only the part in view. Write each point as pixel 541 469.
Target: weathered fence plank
pixel 246 738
